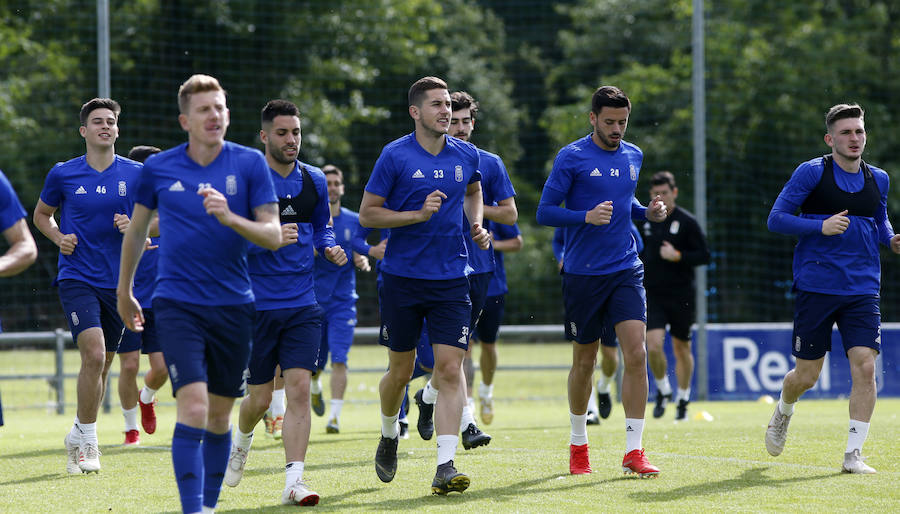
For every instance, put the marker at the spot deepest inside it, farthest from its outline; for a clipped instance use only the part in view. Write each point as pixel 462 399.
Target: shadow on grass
pixel 40 478
pixel 748 479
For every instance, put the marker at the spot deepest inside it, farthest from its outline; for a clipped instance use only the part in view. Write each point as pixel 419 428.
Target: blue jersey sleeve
pixel 262 189
pixel 549 211
pixel 882 223
pixel 323 234
pixel 638 240
pixel 381 181
pixel 358 242
pixel 638 211
pixel 52 193
pixel 559 243
pixel 146 182
pixel 782 217
pixel 11 210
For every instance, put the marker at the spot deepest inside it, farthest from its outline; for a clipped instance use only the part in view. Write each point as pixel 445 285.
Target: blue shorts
pixel 407 302
pixel 478 286
pixel 204 343
pixel 595 304
pixel 858 318
pixel 289 337
pixel 424 352
pixel 489 325
pixel 87 307
pixel 338 324
pixel 145 341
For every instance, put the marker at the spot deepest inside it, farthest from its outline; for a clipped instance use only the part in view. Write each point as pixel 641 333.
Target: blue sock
pixel 188 463
pixel 404 405
pixel 216 449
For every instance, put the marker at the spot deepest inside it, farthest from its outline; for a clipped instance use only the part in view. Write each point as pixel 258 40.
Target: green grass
pixel 718 465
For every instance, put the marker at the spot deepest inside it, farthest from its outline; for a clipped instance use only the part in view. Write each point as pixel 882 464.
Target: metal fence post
pixel 60 375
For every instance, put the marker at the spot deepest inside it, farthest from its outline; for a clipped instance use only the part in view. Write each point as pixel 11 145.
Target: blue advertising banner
pixel 748 360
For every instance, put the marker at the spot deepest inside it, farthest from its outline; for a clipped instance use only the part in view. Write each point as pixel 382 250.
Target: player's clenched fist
pixel 67 244
pixel 289 234
pixel 432 204
pixel 336 255
pixel 121 221
pixel 836 224
pixel 601 214
pixel 215 204
pixel 481 236
pixel 657 210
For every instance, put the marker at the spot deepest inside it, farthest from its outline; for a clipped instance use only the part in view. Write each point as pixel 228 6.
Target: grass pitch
pixel 707 465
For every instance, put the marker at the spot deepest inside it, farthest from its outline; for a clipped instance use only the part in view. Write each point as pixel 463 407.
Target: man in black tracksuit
pixel 671 250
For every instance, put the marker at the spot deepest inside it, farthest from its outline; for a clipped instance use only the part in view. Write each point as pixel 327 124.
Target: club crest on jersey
pixel 347 234
pixel 458 174
pixel 632 171
pixel 122 188
pixel 230 185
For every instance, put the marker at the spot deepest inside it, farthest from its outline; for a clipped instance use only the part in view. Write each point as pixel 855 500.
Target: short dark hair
pixel 462 100
pixel 141 152
pixel 609 96
pixel 420 87
pixel 197 83
pixel 663 178
pixel 842 112
pixel 275 108
pixel 331 169
pixel 98 103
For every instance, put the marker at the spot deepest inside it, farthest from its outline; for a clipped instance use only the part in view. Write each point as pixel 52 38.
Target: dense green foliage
pixel 772 69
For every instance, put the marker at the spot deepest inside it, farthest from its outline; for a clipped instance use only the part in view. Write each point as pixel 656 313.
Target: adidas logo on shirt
pixel 176 186
pixel 80 191
pixel 288 211
pixel 418 174
pixel 596 173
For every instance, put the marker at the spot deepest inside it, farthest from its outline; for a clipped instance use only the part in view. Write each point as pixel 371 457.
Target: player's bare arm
pixel 657 211
pixel 45 222
pixel 133 245
pixel 504 212
pixel 21 252
pixel 264 230
pixel 513 244
pixel 373 214
pixel 836 224
pixel 601 214
pixel 473 206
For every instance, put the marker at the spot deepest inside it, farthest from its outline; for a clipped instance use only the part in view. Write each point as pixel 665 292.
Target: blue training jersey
pixel 284 278
pixel 145 276
pixel 88 201
pixel 844 264
pixel 583 176
pixel 338 283
pixel 202 261
pixel 495 186
pixel 11 210
pixel 559 241
pixel 497 284
pixel 404 174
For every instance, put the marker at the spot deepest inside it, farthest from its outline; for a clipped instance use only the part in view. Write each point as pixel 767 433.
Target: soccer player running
pixel 596 177
pixel 336 294
pixel 671 251
pixel 94 194
pixel 429 180
pixel 499 202
pixel 21 250
pixel 213 196
pixel 837 272
pixel 288 319
pixel 135 343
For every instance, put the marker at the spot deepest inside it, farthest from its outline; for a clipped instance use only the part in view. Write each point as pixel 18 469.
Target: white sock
pixel 243 440
pixel 130 416
pixel 207 510
pixel 579 429
pixel 446 448
pixel 592 401
pixel 277 405
pixel 684 394
pixel 336 406
pixel 429 395
pixel 467 417
pixel 293 471
pixel 470 403
pixel 663 385
pixel 390 426
pixel 786 409
pixel 859 430
pixel 634 433
pixel 603 383
pixel 315 385
pixel 88 432
pixel 75 433
pixel 147 394
pixel 485 390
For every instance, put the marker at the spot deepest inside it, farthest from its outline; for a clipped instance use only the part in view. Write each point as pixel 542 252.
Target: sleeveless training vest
pixel 828 199
pixel 299 209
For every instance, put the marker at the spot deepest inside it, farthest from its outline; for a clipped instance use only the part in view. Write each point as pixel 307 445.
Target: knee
pixel 449 372
pixel 681 347
pixel 807 379
pixel 129 366
pixel 585 364
pixel 93 362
